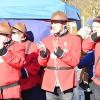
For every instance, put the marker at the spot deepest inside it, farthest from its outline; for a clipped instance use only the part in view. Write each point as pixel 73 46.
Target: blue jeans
pixel 95 91
pixel 78 94
pixel 59 95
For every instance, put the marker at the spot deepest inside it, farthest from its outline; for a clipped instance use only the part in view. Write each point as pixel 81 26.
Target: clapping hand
pixel 84 32
pixel 41 46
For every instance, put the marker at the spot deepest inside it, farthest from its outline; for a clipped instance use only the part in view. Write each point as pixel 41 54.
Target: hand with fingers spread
pixel 57 49
pixel 95 36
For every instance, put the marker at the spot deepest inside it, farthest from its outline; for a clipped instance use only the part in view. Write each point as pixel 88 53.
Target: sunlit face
pixel 2 38
pixel 16 35
pixel 56 28
pixel 5 38
pixel 96 26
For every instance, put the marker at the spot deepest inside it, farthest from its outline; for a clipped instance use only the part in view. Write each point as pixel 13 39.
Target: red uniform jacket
pixel 31 65
pixel 10 70
pixel 87 45
pixel 71 45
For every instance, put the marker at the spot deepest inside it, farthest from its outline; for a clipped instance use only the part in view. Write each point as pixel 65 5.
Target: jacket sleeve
pixel 43 60
pixel 72 57
pixel 32 68
pixel 16 56
pixel 43 56
pixel 88 45
pixel 87 60
pixel 31 65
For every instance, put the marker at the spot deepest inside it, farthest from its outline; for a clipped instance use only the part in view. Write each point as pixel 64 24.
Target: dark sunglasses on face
pixel 58 21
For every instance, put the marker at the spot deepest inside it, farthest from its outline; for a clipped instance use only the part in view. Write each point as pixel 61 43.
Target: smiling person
pixel 60 52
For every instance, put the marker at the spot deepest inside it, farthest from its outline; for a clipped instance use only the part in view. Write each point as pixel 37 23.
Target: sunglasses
pixel 58 21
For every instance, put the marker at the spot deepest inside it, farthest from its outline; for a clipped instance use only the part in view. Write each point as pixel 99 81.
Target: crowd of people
pixel 48 71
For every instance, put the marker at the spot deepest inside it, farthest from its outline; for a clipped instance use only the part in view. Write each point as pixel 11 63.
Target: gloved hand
pixel 43 50
pixel 3 51
pixel 95 36
pixel 59 52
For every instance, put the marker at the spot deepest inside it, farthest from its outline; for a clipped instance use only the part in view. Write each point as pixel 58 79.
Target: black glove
pixel 59 52
pixel 94 37
pixel 85 86
pixel 44 54
pixel 23 73
pixel 3 51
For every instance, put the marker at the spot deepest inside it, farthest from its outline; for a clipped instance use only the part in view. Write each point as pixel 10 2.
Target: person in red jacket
pixel 12 57
pixel 93 42
pixel 29 72
pixel 60 52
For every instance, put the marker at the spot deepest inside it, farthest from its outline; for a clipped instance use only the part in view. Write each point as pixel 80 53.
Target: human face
pixel 3 38
pixel 16 36
pixel 96 27
pixel 56 27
